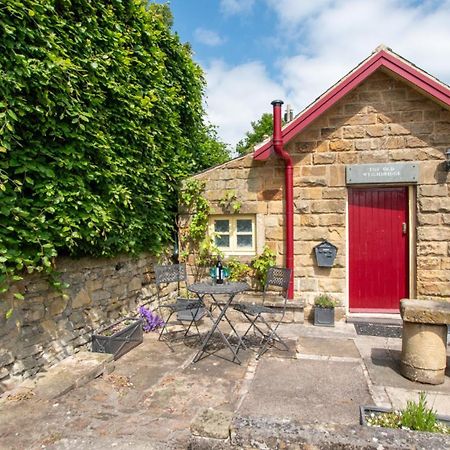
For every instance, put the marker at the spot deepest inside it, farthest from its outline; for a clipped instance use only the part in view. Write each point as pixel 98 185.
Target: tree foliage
pixel 100 117
pixel 212 150
pixel 261 129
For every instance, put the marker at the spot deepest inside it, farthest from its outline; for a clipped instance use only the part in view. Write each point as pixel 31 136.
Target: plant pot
pixel 364 411
pixel 324 317
pixel 118 338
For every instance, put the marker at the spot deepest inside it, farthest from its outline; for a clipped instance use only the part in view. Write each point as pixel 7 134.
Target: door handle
pixel 404 228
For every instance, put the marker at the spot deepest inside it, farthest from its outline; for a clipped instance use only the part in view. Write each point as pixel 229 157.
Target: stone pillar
pixel 424 352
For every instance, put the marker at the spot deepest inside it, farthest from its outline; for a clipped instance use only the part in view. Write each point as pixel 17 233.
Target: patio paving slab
pixel 212 424
pixel 438 401
pixel 327 347
pixel 383 365
pixel 154 394
pixel 307 391
pixel 148 402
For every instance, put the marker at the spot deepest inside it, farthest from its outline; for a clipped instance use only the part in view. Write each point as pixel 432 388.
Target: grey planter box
pixel 128 336
pixel 364 411
pixel 323 317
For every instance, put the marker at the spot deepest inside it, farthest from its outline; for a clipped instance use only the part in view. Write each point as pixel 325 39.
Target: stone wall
pixel 47 326
pixel 258 187
pixel 382 120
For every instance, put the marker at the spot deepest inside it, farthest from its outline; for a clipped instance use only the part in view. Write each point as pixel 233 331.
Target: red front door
pixel 378 248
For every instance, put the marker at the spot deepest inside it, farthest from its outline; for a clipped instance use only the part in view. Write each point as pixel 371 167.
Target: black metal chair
pixel 175 273
pixel 254 312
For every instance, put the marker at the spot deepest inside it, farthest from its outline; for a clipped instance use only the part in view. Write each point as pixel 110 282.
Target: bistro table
pixel 212 289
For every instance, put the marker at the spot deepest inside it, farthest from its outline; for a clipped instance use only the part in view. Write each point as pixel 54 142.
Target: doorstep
pixel 383 319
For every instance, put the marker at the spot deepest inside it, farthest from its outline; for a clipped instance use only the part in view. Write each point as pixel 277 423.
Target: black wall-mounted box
pixel 325 254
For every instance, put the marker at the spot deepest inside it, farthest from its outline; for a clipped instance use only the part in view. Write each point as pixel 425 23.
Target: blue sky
pixel 253 51
pixel 235 34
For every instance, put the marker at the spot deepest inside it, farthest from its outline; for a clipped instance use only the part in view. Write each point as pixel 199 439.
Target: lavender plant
pixel 151 320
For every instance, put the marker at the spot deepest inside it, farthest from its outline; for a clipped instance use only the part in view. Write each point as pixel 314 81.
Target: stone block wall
pixel 382 120
pixel 47 326
pixel 259 187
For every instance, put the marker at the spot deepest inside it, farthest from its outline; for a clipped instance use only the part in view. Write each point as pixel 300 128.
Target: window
pixel 234 235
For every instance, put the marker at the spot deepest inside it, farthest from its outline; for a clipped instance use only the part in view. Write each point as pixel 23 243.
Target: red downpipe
pixel 289 190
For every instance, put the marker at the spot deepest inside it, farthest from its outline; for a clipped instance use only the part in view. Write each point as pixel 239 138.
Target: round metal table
pixel 230 289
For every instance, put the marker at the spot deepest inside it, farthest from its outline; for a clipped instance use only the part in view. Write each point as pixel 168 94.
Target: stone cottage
pixel 363 169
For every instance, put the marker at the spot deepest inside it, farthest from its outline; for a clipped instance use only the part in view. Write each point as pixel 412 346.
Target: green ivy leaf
pixel 102 117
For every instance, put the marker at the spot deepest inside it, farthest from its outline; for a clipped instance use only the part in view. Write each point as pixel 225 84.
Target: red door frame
pixel 385 276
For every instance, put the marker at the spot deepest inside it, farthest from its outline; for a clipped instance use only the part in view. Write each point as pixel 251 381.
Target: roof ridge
pixel 382 56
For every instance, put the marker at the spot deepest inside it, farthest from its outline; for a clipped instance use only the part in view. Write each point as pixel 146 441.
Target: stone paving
pixel 155 398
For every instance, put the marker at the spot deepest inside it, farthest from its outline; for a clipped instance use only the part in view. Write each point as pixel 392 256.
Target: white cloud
pixel 307 78
pixel 321 41
pixel 237 96
pixel 231 7
pixel 295 11
pixel 208 37
pixel 339 34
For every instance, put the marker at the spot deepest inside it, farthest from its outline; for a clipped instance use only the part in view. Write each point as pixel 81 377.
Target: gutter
pixel 289 191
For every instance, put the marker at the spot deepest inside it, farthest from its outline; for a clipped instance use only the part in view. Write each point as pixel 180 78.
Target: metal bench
pixel 424 344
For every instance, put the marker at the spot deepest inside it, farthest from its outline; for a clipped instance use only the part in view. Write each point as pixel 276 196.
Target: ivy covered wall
pixel 100 117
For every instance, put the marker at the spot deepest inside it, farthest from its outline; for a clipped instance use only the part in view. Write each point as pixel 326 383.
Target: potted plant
pixel 324 306
pixel 416 416
pixel 118 338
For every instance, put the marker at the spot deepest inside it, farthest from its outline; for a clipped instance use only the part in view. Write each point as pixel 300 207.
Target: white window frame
pixel 233 249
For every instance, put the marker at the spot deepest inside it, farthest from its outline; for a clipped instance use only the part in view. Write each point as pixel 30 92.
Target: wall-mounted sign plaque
pixel 382 173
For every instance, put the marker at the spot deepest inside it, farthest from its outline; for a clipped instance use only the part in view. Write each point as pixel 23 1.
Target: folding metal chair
pixel 175 273
pixel 254 313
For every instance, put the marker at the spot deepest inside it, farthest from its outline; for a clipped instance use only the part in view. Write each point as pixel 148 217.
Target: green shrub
pixel 238 271
pixel 261 264
pixel 101 116
pixel 416 416
pixel 193 229
pixel 325 301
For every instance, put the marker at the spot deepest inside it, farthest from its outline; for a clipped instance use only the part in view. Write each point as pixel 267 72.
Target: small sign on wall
pixel 382 173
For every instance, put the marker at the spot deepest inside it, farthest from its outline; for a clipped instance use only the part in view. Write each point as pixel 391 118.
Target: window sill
pixel 247 253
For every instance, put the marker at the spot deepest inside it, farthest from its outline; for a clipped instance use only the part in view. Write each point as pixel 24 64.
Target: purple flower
pixel 151 320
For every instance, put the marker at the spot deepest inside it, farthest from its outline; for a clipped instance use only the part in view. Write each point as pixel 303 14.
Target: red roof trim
pixel 380 59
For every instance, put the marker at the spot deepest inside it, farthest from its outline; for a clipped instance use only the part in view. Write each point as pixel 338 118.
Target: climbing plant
pixel 230 203
pixel 193 228
pixel 198 246
pixel 100 117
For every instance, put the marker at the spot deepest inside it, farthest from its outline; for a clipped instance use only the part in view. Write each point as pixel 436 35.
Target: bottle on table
pixel 219 272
